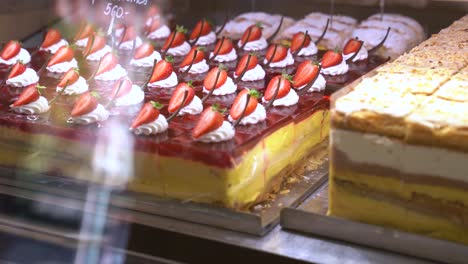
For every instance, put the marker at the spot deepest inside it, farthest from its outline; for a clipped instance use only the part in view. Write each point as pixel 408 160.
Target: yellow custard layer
pixel 173 177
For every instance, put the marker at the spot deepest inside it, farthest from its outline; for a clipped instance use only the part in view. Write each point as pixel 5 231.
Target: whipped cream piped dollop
pixel 208 39
pixel 288 60
pixel 82 42
pixel 26 78
pixel 318 86
pixel 128 45
pixel 23 56
pixel 157 126
pixel 231 56
pixel 254 45
pixel 309 50
pixel 170 81
pixel 341 68
pixel 181 50
pixel 146 61
pixel 290 99
pixel 362 55
pixel 97 55
pixel 160 33
pixel 133 97
pixel 255 74
pixel 228 87
pixel 194 108
pixel 223 133
pixel 63 66
pixel 99 114
pixel 199 67
pixel 79 87
pixel 257 116
pixel 112 75
pixel 55 47
pixel 41 105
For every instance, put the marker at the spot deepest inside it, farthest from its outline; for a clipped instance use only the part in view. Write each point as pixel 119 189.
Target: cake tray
pixel 311 218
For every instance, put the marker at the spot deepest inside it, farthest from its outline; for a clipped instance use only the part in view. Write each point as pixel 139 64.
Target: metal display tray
pixel 311 217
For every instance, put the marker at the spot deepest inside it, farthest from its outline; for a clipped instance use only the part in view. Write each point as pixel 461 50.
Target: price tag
pixel 116 8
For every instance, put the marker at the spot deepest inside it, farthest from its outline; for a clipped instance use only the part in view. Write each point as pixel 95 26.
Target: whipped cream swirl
pixel 41 105
pixel 194 108
pixel 112 75
pixel 255 74
pixel 341 68
pixel 181 50
pixel 288 60
pixel 230 56
pixel 157 126
pixel 26 78
pixel 79 87
pixel 135 96
pixel 255 117
pixel 23 56
pixel 208 39
pixel 290 99
pixel 82 42
pixel 128 45
pixel 146 61
pixel 199 67
pixel 170 81
pixel 160 33
pixel 55 47
pixel 223 133
pixel 310 50
pixel 99 53
pixel 362 55
pixel 99 114
pixel 319 84
pixel 258 44
pixel 63 66
pixel 228 87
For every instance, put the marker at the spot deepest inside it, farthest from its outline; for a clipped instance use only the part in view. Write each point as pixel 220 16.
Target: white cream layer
pixel 82 42
pixel 26 78
pixel 310 50
pixel 290 99
pixel 194 108
pixel 228 87
pixel 112 75
pixel 341 68
pixel 181 50
pixel 362 55
pixel 135 96
pixel 170 81
pixel 99 53
pixel 230 56
pixel 255 117
pixel 79 87
pixel 99 114
pixel 23 56
pixel 288 60
pixel 208 39
pixel 199 67
pixel 373 149
pixel 63 66
pixel 255 74
pixel 146 61
pixel 161 32
pixel 128 45
pixel 318 86
pixel 55 47
pixel 157 126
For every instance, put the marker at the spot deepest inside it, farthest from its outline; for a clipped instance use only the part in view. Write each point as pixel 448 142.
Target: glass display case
pixel 115 148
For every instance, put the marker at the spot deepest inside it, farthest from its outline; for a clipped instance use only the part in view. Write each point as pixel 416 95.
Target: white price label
pixel 114 10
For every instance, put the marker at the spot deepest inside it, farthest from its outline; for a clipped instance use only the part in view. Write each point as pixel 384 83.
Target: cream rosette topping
pixel 83 35
pixel 308 74
pixel 203 33
pixel 217 82
pixel 184 101
pixel 145 56
pixel 63 60
pixel 109 68
pixel 333 63
pixel 73 83
pixel 279 92
pixel 163 74
pixel 149 121
pixel 87 110
pixel 31 102
pixel 13 52
pixel 195 61
pixel 125 93
pixel 175 44
pixel 278 56
pixel 96 47
pixel 21 76
pixel 53 41
pixel 224 51
pixel 354 50
pixel 162 32
pixel 212 128
pixel 129 39
pixel 252 39
pixel 249 69
pixel 245 112
pixel 302 45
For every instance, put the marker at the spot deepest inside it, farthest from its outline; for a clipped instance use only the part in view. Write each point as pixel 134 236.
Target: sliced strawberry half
pixel 154 24
pixel 178 96
pixel 278 55
pixel 18 69
pixel 121 87
pixel 189 57
pixel 29 95
pixel 331 58
pixel 305 73
pixel 148 113
pixel 210 78
pixel 179 38
pixel 65 53
pixel 202 28
pixel 243 62
pixel 92 46
pixel 255 33
pixel 52 37
pixel 71 76
pixel 108 62
pixel 298 39
pixel 11 49
pixel 352 46
pixel 225 48
pixel 239 103
pixel 143 51
pixel 85 104
pixel 284 87
pixel 130 34
pixel 86 30
pixel 210 120
pixel 162 70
